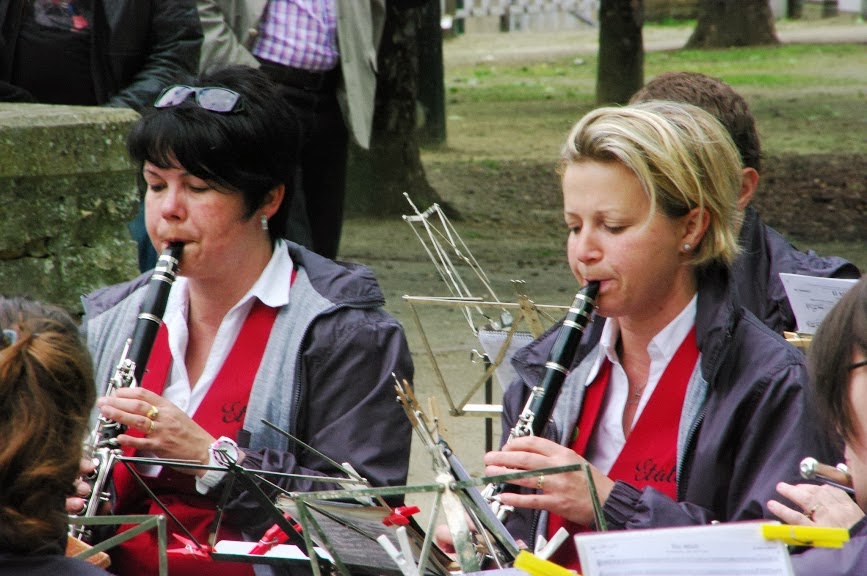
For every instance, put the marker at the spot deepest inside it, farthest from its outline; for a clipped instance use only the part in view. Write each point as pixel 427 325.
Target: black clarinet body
pixel 537 411
pixel 101 447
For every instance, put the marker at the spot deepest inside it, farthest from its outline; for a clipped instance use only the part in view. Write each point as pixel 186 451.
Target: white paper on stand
pixel 733 549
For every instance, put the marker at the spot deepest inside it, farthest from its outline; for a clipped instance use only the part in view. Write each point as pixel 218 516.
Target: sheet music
pixel 352 530
pixel 733 549
pixel 812 298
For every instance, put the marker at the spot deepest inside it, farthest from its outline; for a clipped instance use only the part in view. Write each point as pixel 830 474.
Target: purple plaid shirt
pixel 299 34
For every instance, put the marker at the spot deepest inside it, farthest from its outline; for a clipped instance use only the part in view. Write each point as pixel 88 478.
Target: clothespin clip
pixel 535 566
pixel 190 548
pixel 816 536
pixel 400 516
pixel 545 549
pixel 273 536
pixel 402 558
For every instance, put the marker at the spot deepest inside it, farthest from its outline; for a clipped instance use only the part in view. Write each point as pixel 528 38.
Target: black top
pixel 53 53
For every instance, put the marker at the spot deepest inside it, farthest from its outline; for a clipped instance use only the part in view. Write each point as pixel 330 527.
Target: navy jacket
pixel 757 271
pixel 748 420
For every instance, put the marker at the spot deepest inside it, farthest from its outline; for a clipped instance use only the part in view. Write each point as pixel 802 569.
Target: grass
pixel 807 98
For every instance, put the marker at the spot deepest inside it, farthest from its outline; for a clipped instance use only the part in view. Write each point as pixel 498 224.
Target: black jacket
pixel 139 47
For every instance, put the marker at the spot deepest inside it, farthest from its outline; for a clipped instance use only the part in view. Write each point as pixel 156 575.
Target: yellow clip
pixel 820 537
pixel 535 566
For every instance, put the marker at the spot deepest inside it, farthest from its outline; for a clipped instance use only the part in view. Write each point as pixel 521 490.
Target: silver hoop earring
pixel 264 220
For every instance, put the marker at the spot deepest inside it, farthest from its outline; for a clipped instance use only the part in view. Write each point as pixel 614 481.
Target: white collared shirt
pixel 272 288
pixel 608 439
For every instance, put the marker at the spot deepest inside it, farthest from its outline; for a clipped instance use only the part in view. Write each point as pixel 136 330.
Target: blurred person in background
pixel 324 55
pixel 765 253
pixel 118 53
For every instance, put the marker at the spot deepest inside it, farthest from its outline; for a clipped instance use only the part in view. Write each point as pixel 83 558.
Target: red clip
pixel 400 516
pixel 273 536
pixel 190 549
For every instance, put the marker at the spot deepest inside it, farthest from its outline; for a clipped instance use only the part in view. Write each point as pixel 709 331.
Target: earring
pixel 264 220
pixel 687 247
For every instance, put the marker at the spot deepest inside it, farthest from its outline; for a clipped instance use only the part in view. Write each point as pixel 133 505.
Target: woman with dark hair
pixel 256 328
pixel 46 395
pixel 838 372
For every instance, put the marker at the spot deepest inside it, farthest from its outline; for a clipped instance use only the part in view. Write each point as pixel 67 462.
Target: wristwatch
pixel 222 452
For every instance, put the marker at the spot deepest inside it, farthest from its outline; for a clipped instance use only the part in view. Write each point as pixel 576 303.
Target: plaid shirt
pixel 299 34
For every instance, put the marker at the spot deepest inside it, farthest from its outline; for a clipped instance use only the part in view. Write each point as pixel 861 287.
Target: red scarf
pixel 221 413
pixel 649 457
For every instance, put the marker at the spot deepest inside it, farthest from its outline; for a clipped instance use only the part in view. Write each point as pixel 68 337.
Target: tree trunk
pixel 377 178
pixel 431 81
pixel 621 51
pixel 725 24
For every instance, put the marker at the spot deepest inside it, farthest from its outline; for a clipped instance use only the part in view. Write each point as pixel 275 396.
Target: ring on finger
pixel 540 482
pixel 812 511
pixel 152 413
pixel 153 426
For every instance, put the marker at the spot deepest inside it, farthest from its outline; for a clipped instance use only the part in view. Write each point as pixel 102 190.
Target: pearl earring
pixel 264 220
pixel 687 247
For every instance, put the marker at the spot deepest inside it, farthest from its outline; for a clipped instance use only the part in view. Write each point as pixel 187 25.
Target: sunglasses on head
pixel 212 98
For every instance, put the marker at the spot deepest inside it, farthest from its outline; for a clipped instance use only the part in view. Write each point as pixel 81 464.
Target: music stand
pixel 500 326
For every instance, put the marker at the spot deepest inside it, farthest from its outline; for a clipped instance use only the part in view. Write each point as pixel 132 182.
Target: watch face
pixel 225 452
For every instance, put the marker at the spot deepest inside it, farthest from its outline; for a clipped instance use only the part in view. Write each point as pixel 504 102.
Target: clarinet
pixel 540 404
pixel 102 447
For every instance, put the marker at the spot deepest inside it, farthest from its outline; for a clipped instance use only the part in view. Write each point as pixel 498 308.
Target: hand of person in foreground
pixel 565 494
pixel 168 431
pixel 77 501
pixel 819 506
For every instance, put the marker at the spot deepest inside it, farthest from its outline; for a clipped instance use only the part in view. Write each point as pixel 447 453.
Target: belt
pixel 312 81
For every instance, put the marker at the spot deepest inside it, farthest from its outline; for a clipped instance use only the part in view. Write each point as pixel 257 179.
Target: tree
pixel 620 72
pixel 724 24
pixel 377 178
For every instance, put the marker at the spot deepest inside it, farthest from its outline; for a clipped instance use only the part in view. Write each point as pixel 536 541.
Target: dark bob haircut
pixel 841 333
pixel 251 150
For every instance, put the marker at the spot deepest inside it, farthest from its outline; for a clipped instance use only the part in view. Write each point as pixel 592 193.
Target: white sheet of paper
pixel 812 298
pixel 289 551
pixel 734 549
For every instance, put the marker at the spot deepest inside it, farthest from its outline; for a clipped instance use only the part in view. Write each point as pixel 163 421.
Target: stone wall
pixel 67 191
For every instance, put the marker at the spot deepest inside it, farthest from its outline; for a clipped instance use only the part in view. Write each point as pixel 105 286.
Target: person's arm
pixel 175 37
pixel 348 411
pixel 222 45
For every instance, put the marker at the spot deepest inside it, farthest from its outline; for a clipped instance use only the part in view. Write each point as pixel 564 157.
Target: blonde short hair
pixel 683 157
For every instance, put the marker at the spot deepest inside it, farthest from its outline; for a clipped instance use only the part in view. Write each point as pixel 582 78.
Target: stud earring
pixel 264 220
pixel 687 247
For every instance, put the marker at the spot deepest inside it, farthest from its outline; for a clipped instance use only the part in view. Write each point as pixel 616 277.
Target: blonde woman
pixel 689 409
